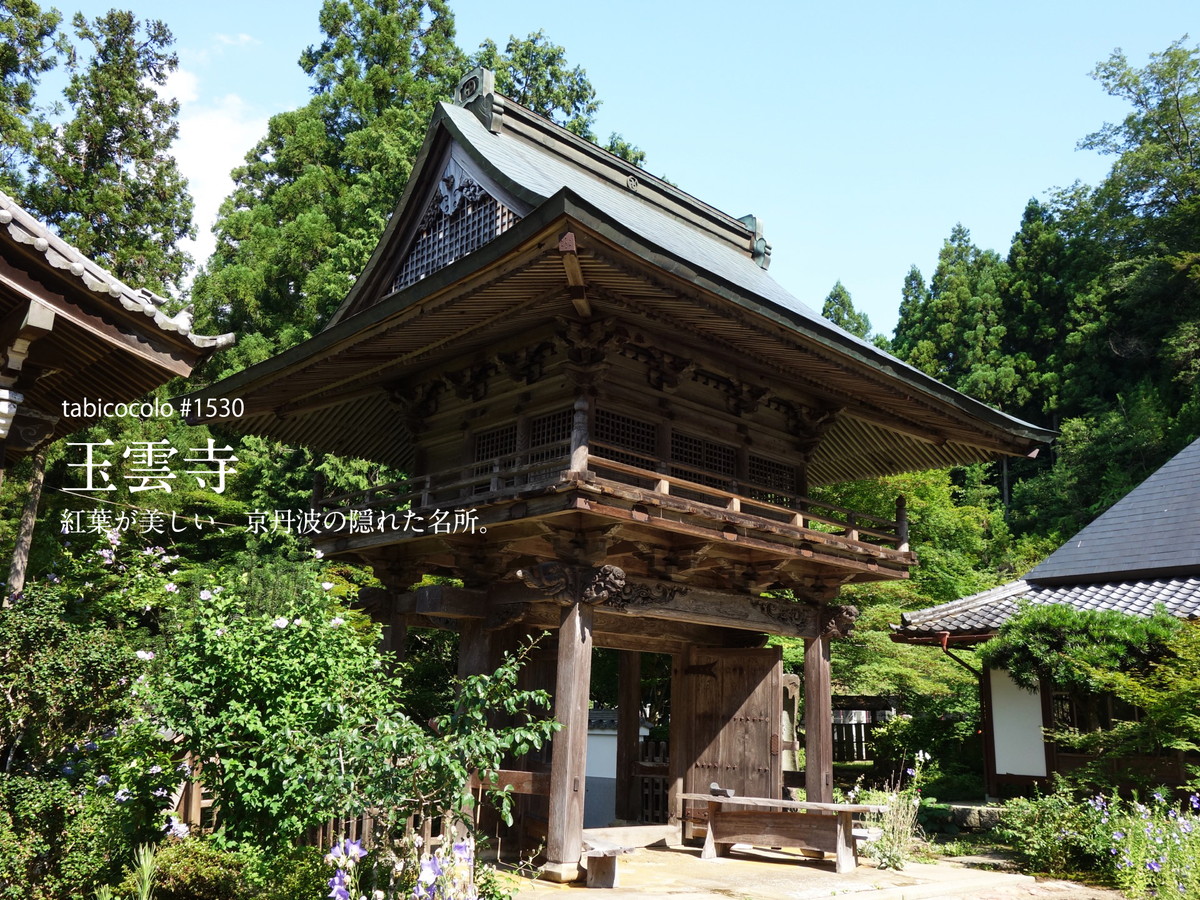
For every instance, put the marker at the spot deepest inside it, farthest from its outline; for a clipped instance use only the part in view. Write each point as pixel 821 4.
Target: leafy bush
pixel 1067 646
pixel 56 843
pixel 197 869
pixel 290 874
pixel 1055 833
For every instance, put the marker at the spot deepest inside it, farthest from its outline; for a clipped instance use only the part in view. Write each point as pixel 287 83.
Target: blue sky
pixel 859 133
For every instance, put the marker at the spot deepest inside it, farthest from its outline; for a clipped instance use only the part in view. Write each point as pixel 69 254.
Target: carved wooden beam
pixel 670 604
pixel 20 328
pixel 575 283
pixel 440 600
pixel 568 584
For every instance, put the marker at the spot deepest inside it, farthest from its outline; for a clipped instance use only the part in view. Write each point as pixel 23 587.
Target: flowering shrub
pixel 447 876
pixel 1148 849
pixel 265 687
pixel 898 830
pixel 1155 846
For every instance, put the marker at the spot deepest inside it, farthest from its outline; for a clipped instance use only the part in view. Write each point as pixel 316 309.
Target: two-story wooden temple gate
pixel 611 418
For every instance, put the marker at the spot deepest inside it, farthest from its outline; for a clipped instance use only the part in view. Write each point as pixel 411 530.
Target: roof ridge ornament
pixel 476 91
pixel 760 250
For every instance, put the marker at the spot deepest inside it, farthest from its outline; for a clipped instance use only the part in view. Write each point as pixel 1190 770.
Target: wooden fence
pixel 851 741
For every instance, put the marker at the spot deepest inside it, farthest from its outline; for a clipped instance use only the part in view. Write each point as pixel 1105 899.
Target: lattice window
pixel 626 433
pixel 698 453
pixel 717 462
pixel 490 445
pixel 500 441
pixel 547 431
pixel 770 473
pixel 462 217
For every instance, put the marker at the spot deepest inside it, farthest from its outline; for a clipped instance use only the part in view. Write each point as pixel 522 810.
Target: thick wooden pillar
pixel 474 649
pixel 818 722
pixel 679 752
pixel 564 829
pixel 629 720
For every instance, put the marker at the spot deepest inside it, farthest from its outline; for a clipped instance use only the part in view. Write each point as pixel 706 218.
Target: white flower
pixel 297 621
pixel 145 655
pixel 281 622
pixel 318 554
pixel 336 621
pixel 220 631
pixel 206 594
pixel 176 829
pixel 170 587
pixel 327 585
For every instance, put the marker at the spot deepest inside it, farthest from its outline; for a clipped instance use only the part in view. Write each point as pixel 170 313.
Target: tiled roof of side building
pixel 982 614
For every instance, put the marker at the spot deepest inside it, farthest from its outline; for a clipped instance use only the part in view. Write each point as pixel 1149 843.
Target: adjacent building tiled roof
pixel 982 614
pixel 1142 552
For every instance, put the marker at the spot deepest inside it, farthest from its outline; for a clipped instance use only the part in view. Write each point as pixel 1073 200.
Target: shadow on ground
pixel 757 874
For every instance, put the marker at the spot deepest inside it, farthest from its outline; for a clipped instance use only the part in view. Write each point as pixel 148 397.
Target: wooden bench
pixel 815 827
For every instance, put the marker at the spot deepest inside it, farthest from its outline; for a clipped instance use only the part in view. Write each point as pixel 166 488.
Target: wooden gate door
pixel 732 703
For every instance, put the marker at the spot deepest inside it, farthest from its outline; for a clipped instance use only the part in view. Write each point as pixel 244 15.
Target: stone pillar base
pixel 561 873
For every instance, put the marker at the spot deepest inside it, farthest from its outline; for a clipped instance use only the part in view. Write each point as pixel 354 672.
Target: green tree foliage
pixel 26 53
pixel 1069 647
pixel 534 71
pixel 1103 304
pixel 312 199
pixel 955 330
pixel 907 338
pixel 1157 145
pixel 839 309
pixel 1166 694
pixel 107 182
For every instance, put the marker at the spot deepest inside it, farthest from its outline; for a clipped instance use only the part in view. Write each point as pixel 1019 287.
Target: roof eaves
pixel 22 228
pixel 920 618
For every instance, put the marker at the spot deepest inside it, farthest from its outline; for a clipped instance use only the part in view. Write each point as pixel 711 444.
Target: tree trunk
pixel 20 557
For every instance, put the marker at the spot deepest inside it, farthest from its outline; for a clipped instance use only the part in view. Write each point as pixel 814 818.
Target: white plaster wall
pixel 1016 727
pixel 602 754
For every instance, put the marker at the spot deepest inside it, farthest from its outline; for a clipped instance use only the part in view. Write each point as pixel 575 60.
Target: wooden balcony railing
pixel 507 476
pixel 583 459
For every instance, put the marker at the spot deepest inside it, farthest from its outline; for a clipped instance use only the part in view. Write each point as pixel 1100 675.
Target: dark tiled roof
pixel 982 614
pixel 1151 532
pixel 606 720
pixel 1144 551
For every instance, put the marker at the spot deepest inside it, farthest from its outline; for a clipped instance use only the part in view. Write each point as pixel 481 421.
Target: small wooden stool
pixel 602 863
